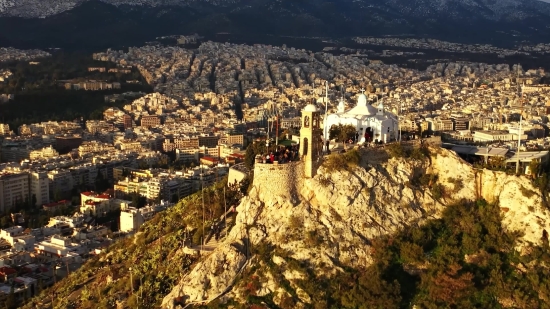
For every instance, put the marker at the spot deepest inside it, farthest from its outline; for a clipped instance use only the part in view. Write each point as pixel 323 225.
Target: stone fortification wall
pixel 237 173
pixel 275 181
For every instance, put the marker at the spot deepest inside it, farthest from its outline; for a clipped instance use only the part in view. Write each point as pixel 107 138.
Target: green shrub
pixel 345 161
pixel 457 184
pixel 438 191
pixel 396 150
pixel 313 239
pixel 528 193
pixel 428 179
pixel 418 153
pixel 296 222
pixel 335 215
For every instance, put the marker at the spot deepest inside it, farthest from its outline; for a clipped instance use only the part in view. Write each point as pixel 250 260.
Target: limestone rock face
pixel 209 278
pixel 337 214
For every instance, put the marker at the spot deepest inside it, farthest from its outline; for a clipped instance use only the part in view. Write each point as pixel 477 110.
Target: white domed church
pixel 372 123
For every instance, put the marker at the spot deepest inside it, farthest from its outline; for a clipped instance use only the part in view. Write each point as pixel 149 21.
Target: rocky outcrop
pixel 338 213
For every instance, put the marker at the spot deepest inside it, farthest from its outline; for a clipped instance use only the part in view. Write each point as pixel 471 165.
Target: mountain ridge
pixel 460 18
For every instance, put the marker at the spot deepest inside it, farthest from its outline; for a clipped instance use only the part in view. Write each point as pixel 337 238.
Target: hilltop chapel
pixel 372 124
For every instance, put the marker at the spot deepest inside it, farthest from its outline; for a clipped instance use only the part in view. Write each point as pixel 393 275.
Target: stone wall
pixel 275 181
pixel 237 173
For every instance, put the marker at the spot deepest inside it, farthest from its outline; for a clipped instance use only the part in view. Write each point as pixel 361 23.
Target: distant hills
pixel 100 24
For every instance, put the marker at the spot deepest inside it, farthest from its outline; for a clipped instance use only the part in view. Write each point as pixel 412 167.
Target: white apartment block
pixel 130 220
pixel 187 155
pixel 59 246
pixel 47 152
pixel 40 187
pixel 4 129
pixel 14 189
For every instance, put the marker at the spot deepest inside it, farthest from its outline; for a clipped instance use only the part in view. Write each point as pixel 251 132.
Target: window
pixel 306 122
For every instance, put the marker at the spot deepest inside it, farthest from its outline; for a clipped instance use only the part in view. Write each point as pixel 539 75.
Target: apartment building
pixel 130 185
pixel 132 219
pixel 96 204
pixel 209 141
pixel 40 187
pixel 460 123
pixel 96 69
pixel 60 180
pixel 166 188
pixel 150 121
pixel 94 147
pixel 4 129
pixel 47 152
pixel 67 143
pixel 59 246
pixel 288 123
pixel 187 154
pixel 127 121
pixel 131 146
pixel 232 139
pixel 14 189
pixel 180 143
pixel 96 126
pixel 438 125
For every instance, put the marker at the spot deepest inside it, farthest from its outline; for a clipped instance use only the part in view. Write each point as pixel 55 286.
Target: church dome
pixel 362 100
pixel 310 108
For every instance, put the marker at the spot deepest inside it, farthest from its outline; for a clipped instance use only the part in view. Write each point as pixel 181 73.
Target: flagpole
pixel 520 92
pixel 325 118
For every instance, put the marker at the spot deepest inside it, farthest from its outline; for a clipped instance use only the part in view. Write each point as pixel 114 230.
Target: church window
pixel 306 122
pixel 306 145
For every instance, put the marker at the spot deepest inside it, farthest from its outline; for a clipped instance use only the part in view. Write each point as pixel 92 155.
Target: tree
pixel 138 201
pixel 101 183
pixel 342 133
pixel 534 168
pixel 252 151
pixel 5 221
pixel 33 200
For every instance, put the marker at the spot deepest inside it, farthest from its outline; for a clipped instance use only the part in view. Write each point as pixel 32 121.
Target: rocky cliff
pixel 336 215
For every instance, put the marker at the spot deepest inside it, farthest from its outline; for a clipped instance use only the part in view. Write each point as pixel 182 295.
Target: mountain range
pixel 60 23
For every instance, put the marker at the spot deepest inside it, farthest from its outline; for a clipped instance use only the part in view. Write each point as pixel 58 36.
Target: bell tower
pixel 310 139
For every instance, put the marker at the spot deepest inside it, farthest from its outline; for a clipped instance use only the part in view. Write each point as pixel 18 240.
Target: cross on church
pixel 362 90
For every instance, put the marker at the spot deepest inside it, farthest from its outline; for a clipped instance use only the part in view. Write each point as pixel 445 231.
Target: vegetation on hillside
pixel 345 161
pixel 40 97
pixel 407 151
pixel 154 256
pixel 466 259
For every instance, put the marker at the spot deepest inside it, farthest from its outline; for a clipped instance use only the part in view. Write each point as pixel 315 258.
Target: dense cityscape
pixel 69 189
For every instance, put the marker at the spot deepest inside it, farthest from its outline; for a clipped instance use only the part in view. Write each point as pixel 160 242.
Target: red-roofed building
pixel 209 161
pixel 51 207
pixel 95 204
pixel 235 158
pixel 7 273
